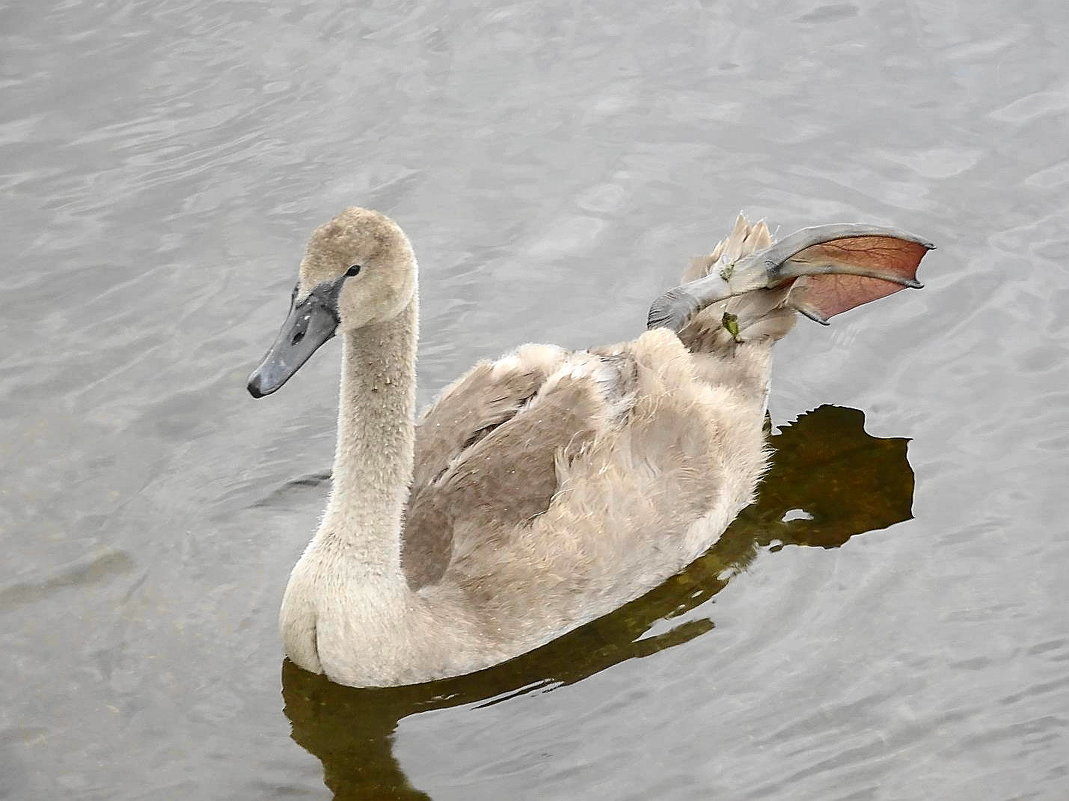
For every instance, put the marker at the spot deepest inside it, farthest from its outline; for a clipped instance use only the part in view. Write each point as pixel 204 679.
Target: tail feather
pixel 756 316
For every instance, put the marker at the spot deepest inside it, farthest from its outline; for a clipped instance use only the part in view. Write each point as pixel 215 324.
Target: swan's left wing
pixel 486 451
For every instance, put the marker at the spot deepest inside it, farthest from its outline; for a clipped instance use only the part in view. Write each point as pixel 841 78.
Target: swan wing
pixel 487 450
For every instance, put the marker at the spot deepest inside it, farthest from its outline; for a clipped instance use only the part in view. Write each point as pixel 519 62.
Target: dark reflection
pixel 829 481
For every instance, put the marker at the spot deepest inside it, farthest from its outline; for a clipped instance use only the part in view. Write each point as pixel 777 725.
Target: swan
pixel 548 487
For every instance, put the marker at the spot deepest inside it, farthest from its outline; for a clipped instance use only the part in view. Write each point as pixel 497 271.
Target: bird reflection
pixel 829 481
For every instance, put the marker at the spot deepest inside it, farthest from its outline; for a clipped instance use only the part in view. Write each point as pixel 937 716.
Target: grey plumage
pixel 545 488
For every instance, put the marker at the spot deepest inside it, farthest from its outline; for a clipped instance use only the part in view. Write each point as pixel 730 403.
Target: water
pixel 555 165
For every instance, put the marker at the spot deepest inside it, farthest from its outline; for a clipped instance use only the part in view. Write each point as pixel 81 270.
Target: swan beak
pixel 310 323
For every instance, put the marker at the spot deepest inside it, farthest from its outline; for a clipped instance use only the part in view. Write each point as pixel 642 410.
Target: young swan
pixel 549 487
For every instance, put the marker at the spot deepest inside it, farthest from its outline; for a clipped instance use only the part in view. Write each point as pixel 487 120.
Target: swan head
pixel 358 270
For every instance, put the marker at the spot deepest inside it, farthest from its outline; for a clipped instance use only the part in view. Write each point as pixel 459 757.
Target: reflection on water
pixel 829 481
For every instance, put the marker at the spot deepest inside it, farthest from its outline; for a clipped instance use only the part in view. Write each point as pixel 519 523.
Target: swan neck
pixel 373 461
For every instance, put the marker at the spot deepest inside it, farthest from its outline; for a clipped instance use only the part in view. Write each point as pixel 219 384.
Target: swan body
pixel 548 487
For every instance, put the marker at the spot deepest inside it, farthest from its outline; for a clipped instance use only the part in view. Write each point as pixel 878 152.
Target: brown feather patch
pixel 503 481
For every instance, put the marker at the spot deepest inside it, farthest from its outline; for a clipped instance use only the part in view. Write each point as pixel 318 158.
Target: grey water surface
pixel 556 164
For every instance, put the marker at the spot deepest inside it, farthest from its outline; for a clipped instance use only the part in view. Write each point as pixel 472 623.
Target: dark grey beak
pixel 310 323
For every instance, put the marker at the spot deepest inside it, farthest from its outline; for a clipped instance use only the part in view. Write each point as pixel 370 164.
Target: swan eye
pixel 353 270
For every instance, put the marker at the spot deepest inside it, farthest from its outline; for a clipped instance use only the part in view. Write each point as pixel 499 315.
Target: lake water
pixel 555 164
